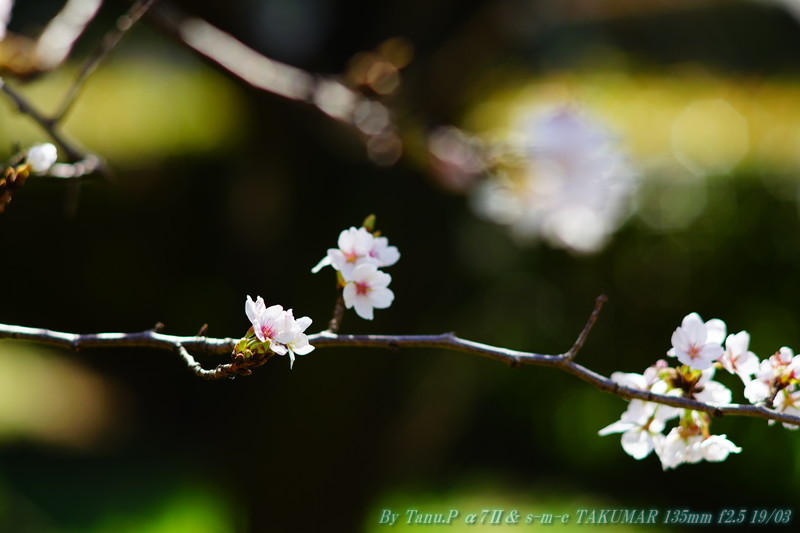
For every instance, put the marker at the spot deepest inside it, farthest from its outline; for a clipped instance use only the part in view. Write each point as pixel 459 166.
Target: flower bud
pixel 41 157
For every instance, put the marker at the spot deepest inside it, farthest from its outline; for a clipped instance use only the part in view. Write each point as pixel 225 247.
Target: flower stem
pixel 338 313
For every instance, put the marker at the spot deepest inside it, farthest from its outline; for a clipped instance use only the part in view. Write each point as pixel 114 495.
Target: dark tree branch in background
pixel 370 117
pixel 109 42
pixel 55 43
pixel 82 164
pixel 26 108
pixel 446 341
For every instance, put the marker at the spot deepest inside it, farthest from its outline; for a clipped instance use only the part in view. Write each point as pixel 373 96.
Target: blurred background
pixel 220 190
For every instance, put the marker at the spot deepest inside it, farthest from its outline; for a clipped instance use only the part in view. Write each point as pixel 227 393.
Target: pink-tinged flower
pixel 738 359
pixel 278 328
pixel 357 246
pixel 267 322
pixel 382 254
pixel 696 343
pixel 366 289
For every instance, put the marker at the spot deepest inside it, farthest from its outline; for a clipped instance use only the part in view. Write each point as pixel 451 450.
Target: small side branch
pixel 598 306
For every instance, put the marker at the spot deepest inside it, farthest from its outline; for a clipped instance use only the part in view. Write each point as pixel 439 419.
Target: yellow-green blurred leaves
pixel 48 399
pixel 191 509
pixel 135 111
pixel 706 122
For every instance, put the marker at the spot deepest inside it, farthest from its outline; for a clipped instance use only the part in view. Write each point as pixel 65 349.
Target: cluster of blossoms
pixel 273 331
pixel 565 182
pixel 702 348
pixel 360 255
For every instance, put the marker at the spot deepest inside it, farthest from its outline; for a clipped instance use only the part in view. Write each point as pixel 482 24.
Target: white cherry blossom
pixel 711 392
pixel 716 448
pixel 292 336
pixel 367 289
pixel 687 445
pixel 781 366
pixel 737 358
pixel 641 425
pixel 679 447
pixel 357 246
pixel 696 343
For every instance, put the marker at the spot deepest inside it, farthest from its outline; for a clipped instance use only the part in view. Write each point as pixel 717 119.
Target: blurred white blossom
pixel 5 16
pixel 41 157
pixel 572 185
pixel 687 444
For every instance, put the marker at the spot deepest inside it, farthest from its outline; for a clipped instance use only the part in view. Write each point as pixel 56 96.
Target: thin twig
pixel 326 339
pixel 598 306
pixel 107 45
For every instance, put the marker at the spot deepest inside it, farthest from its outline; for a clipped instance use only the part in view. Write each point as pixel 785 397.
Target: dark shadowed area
pixel 220 190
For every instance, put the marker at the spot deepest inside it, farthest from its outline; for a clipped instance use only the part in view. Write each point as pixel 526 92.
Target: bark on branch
pixel 182 345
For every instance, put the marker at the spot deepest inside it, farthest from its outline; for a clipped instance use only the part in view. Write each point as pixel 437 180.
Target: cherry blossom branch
pixel 151 338
pixel 182 345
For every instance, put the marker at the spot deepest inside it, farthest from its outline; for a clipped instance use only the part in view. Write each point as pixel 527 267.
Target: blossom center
pixel 268 331
pixel 694 351
pixel 362 289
